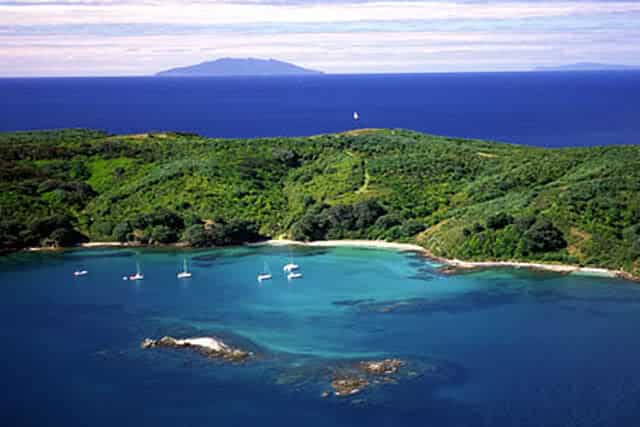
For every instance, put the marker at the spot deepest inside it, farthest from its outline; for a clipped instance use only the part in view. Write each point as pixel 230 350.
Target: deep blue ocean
pixel 543 109
pixel 491 348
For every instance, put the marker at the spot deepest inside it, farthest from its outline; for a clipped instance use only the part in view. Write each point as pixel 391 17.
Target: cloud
pixel 135 37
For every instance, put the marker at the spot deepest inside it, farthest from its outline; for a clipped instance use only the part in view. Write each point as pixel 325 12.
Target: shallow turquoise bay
pixel 496 347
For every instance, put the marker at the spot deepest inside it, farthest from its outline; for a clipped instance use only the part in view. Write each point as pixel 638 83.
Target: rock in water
pixel 371 372
pixel 208 346
pixel 147 343
pixel 382 367
pixel 346 386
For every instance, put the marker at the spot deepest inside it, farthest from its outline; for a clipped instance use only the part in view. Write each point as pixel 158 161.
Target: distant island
pixel 588 66
pixel 459 199
pixel 238 67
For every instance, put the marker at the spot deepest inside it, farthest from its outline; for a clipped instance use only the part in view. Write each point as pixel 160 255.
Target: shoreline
pixel 372 244
pixel 453 264
pixel 457 264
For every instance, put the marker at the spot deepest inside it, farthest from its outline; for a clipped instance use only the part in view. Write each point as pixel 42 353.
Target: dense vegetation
pixel 458 198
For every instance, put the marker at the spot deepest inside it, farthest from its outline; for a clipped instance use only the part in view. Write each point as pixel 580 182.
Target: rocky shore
pixel 207 346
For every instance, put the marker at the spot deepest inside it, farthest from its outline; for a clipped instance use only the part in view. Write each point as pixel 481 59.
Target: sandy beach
pixel 375 244
pixel 103 245
pixel 455 263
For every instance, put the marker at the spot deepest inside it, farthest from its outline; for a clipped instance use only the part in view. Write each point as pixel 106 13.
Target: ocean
pixel 548 109
pixel 500 347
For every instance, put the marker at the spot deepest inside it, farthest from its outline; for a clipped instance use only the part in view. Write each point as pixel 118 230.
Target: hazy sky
pixel 132 37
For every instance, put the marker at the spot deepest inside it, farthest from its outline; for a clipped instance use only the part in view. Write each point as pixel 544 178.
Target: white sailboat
pixel 137 276
pixel 291 266
pixel 266 273
pixel 184 274
pixel 288 268
pixel 294 275
pixel 356 116
pixel 79 273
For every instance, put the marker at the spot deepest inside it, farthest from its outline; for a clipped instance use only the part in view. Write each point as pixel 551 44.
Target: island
pixel 588 66
pixel 239 67
pixel 207 346
pixel 474 203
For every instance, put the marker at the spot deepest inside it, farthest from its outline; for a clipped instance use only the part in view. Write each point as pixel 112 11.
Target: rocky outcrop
pixel 382 367
pixel 368 372
pixel 346 386
pixel 210 347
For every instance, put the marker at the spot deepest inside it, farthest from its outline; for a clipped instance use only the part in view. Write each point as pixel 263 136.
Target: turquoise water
pixel 497 347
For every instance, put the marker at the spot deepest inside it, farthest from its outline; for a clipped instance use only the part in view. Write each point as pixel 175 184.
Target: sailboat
pixel 266 273
pixel 79 273
pixel 184 274
pixel 294 275
pixel 288 268
pixel 137 276
pixel 356 116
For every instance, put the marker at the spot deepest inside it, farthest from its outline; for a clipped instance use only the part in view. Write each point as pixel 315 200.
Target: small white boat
pixel 293 275
pixel 184 274
pixel 137 276
pixel 79 273
pixel 290 267
pixel 266 274
pixel 356 116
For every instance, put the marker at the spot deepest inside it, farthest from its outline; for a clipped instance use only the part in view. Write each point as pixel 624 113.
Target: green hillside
pixel 458 198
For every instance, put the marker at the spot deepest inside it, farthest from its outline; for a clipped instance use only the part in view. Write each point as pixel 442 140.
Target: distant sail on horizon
pixel 356 116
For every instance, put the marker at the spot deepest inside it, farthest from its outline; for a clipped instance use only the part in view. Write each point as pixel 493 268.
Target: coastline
pixel 456 264
pixel 372 244
pixel 451 265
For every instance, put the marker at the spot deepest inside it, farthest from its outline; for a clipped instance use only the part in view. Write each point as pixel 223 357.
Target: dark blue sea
pixel 491 348
pixel 544 109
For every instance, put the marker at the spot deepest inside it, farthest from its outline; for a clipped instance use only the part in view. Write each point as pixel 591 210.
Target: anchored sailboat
pixel 288 268
pixel 291 269
pixel 294 275
pixel 137 276
pixel 184 274
pixel 266 273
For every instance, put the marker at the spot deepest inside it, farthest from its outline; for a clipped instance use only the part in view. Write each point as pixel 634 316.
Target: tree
pixel 122 231
pixel 102 228
pixel 477 228
pixel 163 234
pixel 341 216
pixel 288 158
pixel 42 228
pixel 412 227
pixel 196 236
pixel 366 213
pixel 311 227
pixel 543 236
pixel 387 221
pixel 522 224
pixel 65 237
pixel 10 234
pixel 499 221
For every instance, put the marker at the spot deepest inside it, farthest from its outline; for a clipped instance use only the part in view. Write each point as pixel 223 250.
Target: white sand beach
pixel 103 245
pixel 456 263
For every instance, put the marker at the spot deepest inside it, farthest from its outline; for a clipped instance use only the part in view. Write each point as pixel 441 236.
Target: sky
pixel 140 37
